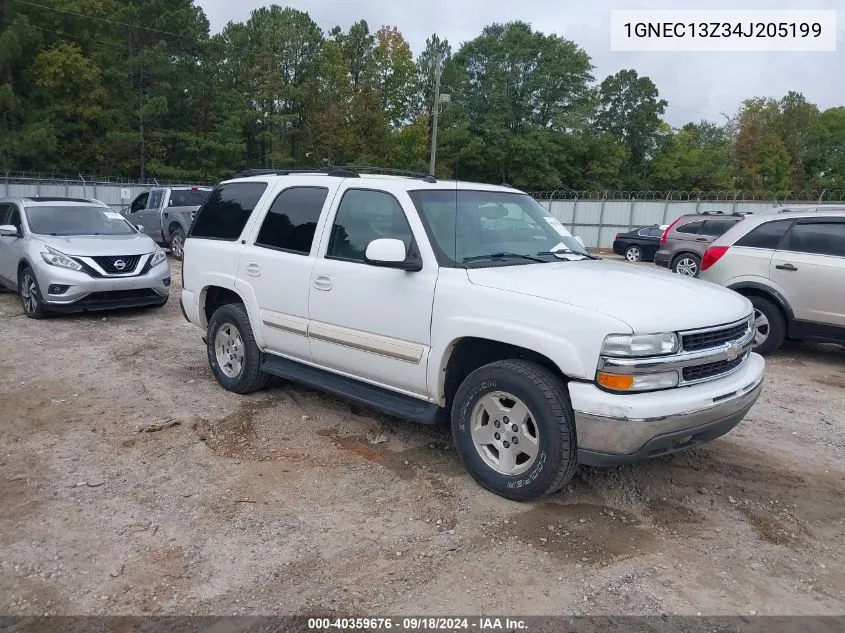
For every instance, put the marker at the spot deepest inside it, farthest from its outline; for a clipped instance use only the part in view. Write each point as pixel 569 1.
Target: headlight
pixel 158 257
pixel 638 382
pixel 57 258
pixel 640 344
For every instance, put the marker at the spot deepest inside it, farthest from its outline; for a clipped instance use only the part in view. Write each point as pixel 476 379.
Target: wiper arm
pixel 478 258
pixel 568 251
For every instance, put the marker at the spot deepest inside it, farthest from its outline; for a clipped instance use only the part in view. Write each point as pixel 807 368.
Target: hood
pixel 649 300
pixel 97 245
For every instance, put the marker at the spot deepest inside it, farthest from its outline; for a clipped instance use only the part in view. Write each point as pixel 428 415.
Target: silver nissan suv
pixel 72 255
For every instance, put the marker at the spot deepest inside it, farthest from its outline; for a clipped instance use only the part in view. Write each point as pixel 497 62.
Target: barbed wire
pixel 737 195
pixel 47 178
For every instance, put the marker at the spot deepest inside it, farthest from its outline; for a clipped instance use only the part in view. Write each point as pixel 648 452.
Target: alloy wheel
pixel 229 350
pixel 761 327
pixel 687 267
pixel 504 433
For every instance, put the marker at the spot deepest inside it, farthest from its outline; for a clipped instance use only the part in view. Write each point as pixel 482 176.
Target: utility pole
pixel 437 70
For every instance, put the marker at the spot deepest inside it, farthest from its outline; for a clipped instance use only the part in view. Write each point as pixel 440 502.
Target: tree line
pixel 142 89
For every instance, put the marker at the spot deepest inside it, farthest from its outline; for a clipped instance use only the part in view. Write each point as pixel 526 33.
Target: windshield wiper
pixel 568 251
pixel 479 258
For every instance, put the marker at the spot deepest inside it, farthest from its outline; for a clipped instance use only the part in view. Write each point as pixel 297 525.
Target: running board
pixel 384 400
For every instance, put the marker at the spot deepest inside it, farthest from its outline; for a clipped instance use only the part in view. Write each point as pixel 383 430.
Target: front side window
pixel 140 203
pixel 226 211
pixel 155 198
pixel 473 226
pixel 364 216
pixel 817 238
pixel 76 220
pixel 292 219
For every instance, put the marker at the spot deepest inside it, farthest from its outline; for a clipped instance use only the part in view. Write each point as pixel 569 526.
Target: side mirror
pixel 580 241
pixel 390 253
pixel 9 230
pixel 140 228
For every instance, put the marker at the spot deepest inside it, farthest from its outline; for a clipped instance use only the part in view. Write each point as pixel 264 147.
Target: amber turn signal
pixel 615 381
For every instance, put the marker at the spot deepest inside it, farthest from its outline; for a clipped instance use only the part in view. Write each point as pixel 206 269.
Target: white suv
pixel 791 265
pixel 464 302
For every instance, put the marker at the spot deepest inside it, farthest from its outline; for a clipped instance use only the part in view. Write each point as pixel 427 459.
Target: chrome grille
pixel 711 370
pixel 118 264
pixel 695 341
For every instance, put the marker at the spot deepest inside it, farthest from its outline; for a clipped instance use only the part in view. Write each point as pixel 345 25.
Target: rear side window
pixel 818 238
pixel 691 228
pixel 226 211
pixel 655 232
pixel 187 197
pixel 766 235
pixel 716 228
pixel 292 219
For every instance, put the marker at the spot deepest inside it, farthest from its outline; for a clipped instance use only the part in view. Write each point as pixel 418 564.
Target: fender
pixel 768 290
pixel 244 292
pixel 550 344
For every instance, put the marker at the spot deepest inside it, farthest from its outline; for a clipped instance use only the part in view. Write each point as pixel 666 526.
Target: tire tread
pixel 252 379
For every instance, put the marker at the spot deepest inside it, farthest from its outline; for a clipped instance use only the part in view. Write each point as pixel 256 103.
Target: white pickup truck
pixel 433 300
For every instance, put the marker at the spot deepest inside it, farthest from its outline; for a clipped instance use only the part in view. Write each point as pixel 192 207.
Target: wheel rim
pixel 633 254
pixel 229 350
pixel 504 433
pixel 176 245
pixel 761 327
pixel 687 267
pixel 29 294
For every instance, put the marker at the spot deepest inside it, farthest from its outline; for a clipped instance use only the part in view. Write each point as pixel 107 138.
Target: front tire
pixel 233 354
pixel 30 295
pixel 769 323
pixel 514 429
pixel 177 244
pixel 687 265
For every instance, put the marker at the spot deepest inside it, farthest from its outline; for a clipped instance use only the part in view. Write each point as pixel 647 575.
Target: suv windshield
pixel 471 226
pixel 76 220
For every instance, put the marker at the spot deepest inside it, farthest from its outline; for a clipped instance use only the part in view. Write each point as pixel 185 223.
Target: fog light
pixel 166 282
pixel 57 289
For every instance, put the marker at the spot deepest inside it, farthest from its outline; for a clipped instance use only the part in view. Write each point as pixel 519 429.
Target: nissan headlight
pixel 158 257
pixel 57 258
pixel 635 345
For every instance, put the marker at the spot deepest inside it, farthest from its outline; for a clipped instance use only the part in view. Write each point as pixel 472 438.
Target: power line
pixel 78 37
pixel 115 22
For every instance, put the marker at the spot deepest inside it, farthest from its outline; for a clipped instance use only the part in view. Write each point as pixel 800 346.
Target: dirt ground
pixel 292 502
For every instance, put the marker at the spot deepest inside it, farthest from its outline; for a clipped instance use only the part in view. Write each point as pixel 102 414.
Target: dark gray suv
pixel 684 242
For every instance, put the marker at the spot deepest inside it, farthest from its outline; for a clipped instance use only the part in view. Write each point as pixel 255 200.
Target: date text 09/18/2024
pixel 419 624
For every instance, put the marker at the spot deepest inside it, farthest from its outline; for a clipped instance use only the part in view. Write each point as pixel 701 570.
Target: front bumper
pixel 82 293
pixel 617 429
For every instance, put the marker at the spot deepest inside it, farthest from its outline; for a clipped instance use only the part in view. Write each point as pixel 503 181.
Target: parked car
pixel 683 243
pixel 791 265
pixel 166 213
pixel 639 245
pixel 405 294
pixel 74 255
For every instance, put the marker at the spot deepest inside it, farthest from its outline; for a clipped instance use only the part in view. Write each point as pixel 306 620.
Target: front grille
pixel 117 296
pixel 713 338
pixel 107 263
pixel 711 370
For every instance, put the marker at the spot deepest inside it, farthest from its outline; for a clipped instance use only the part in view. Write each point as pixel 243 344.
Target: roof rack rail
pixel 57 199
pixel 337 172
pixel 427 177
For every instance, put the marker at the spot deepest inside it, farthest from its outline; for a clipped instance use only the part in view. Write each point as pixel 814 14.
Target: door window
pixel 818 238
pixel 155 198
pixel 691 228
pixel 766 235
pixel 140 203
pixel 364 216
pixel 716 228
pixel 292 220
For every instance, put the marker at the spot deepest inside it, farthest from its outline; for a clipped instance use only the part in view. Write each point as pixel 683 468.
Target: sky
pixel 696 85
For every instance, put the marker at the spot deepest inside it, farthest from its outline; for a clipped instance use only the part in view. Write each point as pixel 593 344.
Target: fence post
pixel 631 214
pixel 601 221
pixel 666 208
pixel 574 211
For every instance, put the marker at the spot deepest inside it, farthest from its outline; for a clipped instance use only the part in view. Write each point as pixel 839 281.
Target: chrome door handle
pixel 788 267
pixel 323 282
pixel 253 269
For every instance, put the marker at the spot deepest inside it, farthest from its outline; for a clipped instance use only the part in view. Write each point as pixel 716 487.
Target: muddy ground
pixel 292 502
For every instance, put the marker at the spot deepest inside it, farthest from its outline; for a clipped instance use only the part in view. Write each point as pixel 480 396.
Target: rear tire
pixel 177 244
pixel 687 265
pixel 770 324
pixel 233 354
pixel 32 300
pixel 529 402
pixel 634 254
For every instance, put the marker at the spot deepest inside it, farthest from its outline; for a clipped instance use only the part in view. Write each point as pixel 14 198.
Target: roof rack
pixel 344 171
pixel 427 177
pixel 735 214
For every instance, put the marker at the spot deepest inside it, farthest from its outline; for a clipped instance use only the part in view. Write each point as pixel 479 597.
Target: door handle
pixel 788 267
pixel 253 269
pixel 701 239
pixel 323 282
